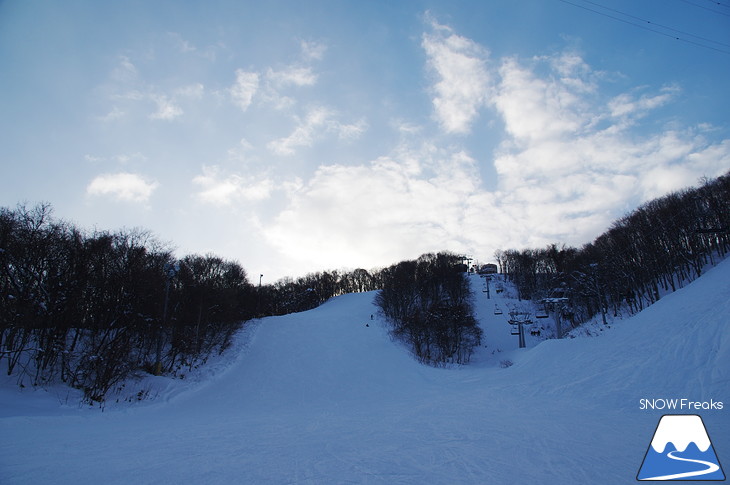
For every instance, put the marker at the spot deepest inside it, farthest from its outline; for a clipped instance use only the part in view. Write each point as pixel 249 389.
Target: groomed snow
pixel 319 397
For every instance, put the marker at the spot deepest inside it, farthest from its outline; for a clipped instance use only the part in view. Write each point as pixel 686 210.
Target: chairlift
pixel 515 330
pixel 497 310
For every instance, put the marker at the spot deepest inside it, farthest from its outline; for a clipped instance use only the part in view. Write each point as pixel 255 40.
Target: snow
pixel 325 396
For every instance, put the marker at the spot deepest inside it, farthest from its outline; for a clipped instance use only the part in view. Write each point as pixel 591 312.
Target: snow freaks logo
pixel 679 404
pixel 680 450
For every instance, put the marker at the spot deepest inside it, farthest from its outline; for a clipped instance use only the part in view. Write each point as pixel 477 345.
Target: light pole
pixel 258 297
pixel 599 290
pixel 170 270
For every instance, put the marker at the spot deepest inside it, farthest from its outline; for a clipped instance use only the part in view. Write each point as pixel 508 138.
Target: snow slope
pixel 319 397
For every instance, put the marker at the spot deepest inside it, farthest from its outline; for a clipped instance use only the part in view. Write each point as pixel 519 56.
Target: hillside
pixel 325 396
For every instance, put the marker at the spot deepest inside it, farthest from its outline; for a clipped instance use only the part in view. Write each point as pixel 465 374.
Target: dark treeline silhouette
pixel 304 293
pixel 89 309
pixel 93 309
pixel 657 248
pixel 428 303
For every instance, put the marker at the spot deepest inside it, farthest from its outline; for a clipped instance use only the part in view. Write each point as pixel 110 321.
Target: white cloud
pixel 276 83
pixel 571 161
pixel 541 108
pixel 316 124
pixel 122 186
pixel 224 190
pixel 112 115
pixel 244 89
pixel 463 78
pixel 127 90
pixel 406 128
pixel 191 91
pixel 167 109
pixel 625 104
pixel 412 201
pixel 312 50
pixel 350 131
pixel 122 158
pixel 188 48
pixel 129 157
pixel 132 94
pixel 572 157
pixel 125 71
pixel 270 85
pixel 241 152
pixel 292 75
pixel 304 134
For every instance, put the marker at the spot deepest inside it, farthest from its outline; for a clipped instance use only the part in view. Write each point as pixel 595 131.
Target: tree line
pixel 429 306
pixel 289 295
pixel 90 309
pixel 655 249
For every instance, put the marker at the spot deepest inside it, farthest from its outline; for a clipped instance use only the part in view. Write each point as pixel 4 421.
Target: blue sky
pixel 300 136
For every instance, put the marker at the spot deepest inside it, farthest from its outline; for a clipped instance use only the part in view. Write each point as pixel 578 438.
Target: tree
pixel 428 303
pixel 87 309
pixel 656 248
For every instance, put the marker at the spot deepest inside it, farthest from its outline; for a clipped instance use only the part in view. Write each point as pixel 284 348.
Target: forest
pixel 655 249
pixel 93 309
pixel 428 303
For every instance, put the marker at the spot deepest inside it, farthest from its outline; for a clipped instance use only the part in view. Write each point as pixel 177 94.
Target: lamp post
pixel 170 270
pixel 258 297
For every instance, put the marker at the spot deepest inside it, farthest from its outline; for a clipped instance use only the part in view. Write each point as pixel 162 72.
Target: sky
pixel 303 136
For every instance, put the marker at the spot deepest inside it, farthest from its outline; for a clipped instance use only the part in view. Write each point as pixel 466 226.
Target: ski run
pixel 327 397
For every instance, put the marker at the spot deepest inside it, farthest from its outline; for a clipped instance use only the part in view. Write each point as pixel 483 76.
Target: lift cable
pixel 656 24
pixel 715 2
pixel 707 8
pixel 675 37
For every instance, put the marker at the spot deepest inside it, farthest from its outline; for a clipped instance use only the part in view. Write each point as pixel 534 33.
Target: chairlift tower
pixel 486 286
pixel 466 260
pixel 520 319
pixel 556 305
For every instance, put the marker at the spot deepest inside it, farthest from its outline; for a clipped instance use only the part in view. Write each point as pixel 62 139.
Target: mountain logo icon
pixel 681 450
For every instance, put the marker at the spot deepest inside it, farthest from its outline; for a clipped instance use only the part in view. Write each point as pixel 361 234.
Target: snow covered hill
pixel 326 397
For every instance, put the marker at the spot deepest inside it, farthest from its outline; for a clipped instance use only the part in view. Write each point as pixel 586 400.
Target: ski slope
pixel 321 397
